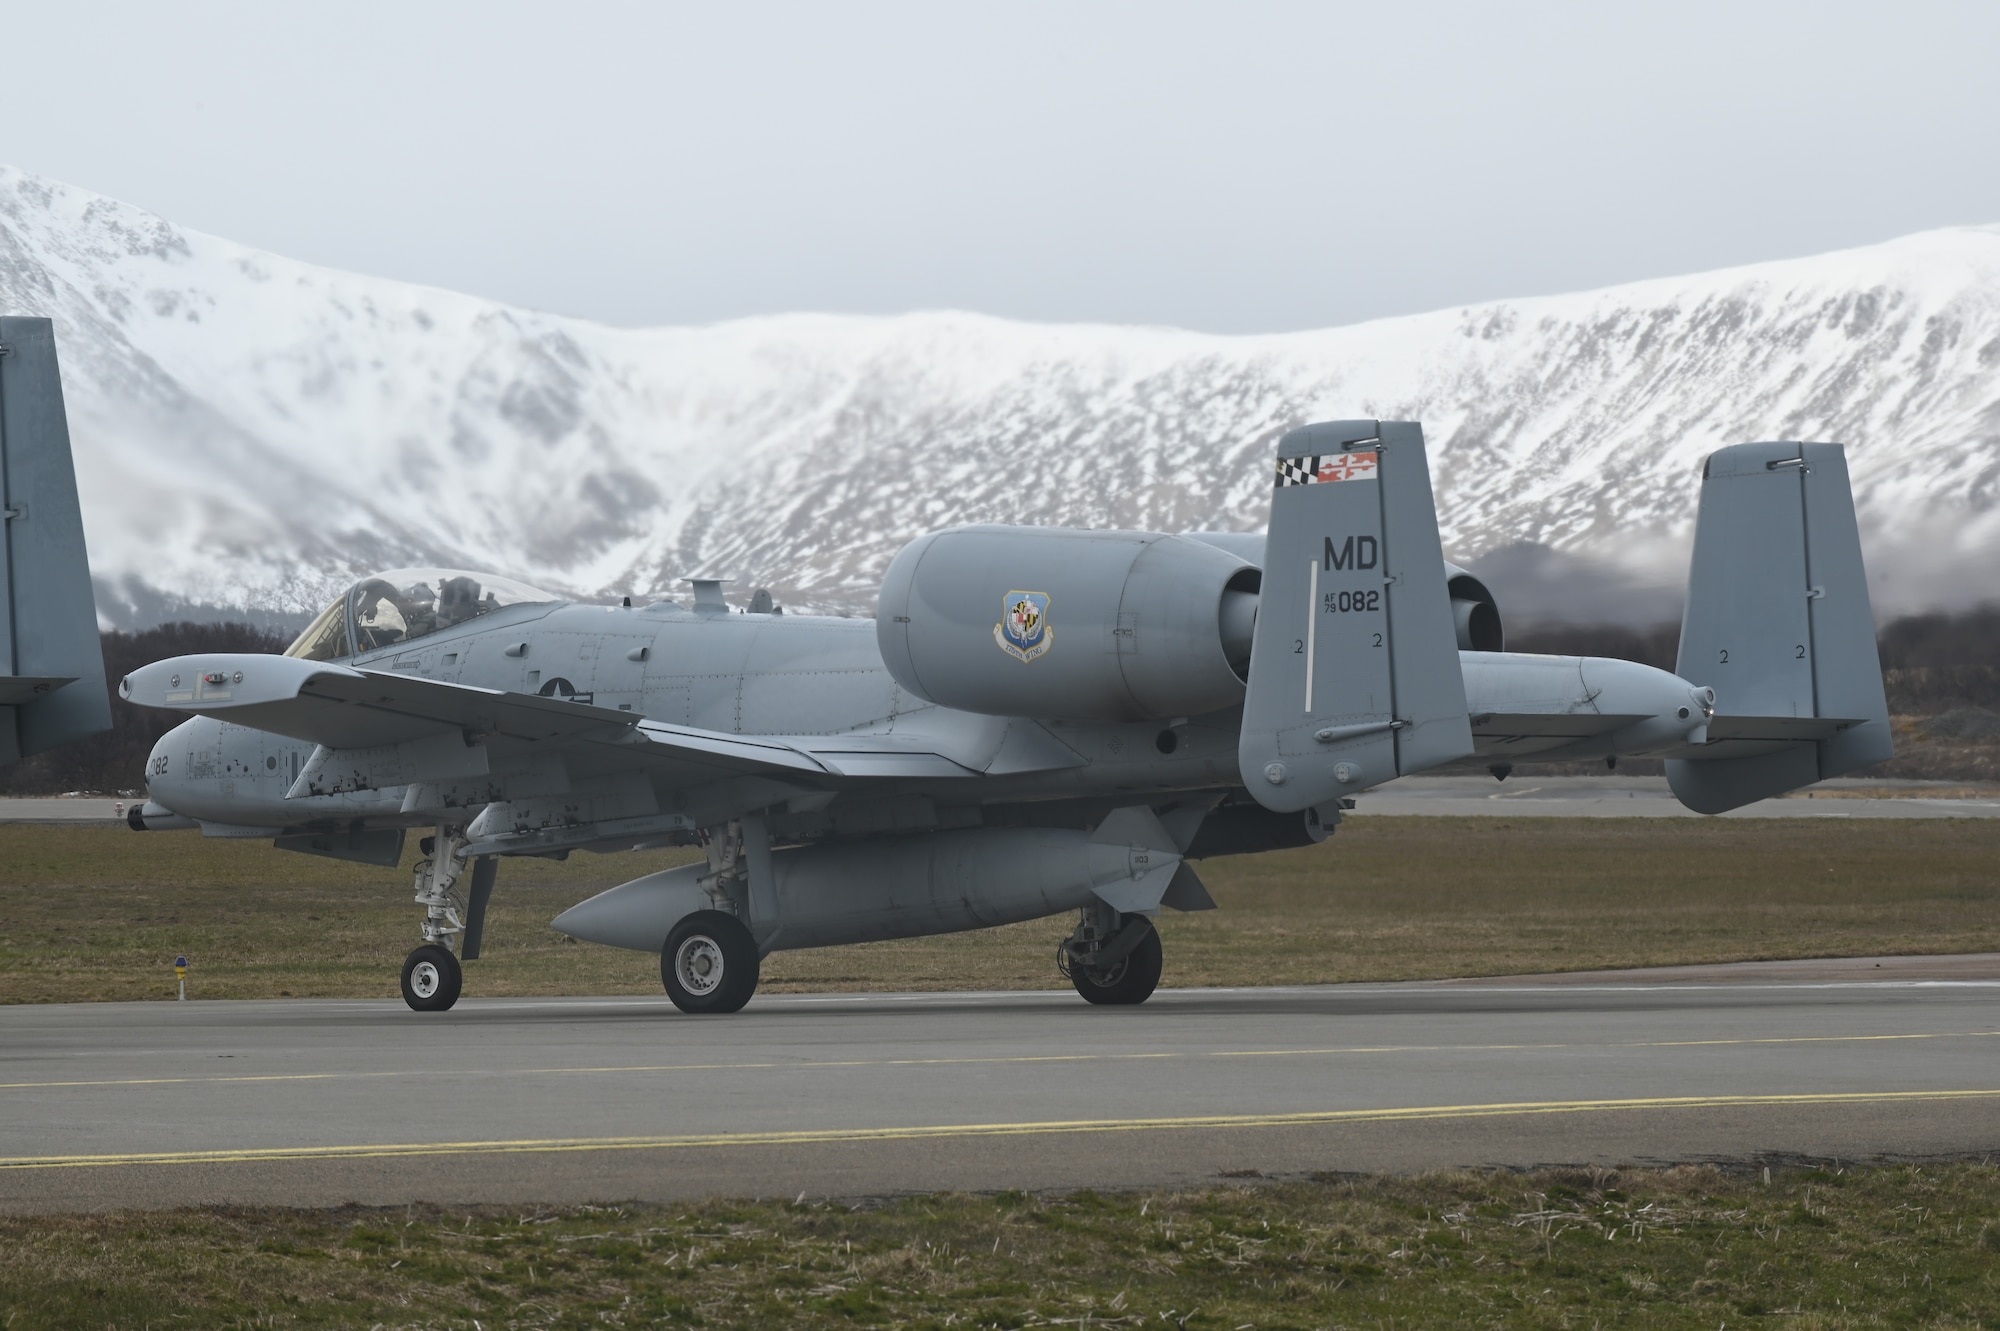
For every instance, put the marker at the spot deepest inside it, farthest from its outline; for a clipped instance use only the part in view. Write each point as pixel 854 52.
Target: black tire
pixel 431 978
pixel 709 963
pixel 1132 979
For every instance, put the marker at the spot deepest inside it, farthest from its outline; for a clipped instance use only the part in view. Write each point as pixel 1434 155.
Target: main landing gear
pixel 709 963
pixel 1112 959
pixel 432 975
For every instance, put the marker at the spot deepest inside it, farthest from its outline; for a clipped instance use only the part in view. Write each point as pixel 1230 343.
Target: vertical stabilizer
pixel 51 664
pixel 1778 624
pixel 1354 674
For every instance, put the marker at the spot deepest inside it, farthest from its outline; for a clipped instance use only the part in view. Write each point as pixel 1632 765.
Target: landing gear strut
pixel 432 976
pixel 1112 959
pixel 711 960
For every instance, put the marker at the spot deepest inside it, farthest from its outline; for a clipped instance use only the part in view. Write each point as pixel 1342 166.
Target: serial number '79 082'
pixel 1341 603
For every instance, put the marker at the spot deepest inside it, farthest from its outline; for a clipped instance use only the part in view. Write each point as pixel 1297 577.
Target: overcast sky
pixel 1232 167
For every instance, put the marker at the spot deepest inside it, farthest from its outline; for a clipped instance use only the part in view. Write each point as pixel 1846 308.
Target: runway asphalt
pixel 63 809
pixel 518 1101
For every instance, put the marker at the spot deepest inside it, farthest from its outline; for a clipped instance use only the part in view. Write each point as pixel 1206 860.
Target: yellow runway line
pixel 822 1136
pixel 1183 1055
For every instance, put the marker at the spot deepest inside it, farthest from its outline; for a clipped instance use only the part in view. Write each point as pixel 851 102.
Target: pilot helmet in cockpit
pixel 397 606
pixel 458 600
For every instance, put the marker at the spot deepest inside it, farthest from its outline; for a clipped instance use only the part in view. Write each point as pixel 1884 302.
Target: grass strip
pixel 99 913
pixel 1816 1247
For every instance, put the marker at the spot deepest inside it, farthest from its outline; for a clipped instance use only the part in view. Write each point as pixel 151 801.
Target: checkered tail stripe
pixel 1297 471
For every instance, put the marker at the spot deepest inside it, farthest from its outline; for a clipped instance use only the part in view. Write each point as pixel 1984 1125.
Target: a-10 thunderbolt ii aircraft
pixel 1037 721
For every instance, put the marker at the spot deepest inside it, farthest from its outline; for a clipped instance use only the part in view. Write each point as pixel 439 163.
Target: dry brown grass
pixel 1687 1247
pixel 1924 756
pixel 99 913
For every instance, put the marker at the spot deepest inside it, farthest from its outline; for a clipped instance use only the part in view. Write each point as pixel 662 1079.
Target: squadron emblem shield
pixel 1023 631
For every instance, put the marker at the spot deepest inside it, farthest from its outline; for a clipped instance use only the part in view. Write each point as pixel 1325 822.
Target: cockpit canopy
pixel 405 603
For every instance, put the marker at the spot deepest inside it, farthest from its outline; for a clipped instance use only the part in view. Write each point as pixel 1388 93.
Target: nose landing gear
pixel 432 976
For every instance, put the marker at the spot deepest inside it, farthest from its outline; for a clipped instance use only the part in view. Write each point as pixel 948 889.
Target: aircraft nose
pixel 181 785
pixel 162 781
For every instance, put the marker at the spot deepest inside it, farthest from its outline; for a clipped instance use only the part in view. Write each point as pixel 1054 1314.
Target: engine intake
pixel 1066 624
pixel 1474 613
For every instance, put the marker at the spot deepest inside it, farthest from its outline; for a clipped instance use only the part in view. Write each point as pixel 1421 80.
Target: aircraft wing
pixel 345 709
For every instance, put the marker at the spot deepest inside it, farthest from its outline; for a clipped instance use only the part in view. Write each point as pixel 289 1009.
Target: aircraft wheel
pixel 431 978
pixel 1132 979
pixel 709 963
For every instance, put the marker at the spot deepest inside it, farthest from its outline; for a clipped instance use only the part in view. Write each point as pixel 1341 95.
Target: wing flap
pixel 737 753
pixel 881 757
pixel 891 764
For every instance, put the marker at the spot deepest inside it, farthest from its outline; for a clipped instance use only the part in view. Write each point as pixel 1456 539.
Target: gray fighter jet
pixel 51 665
pixel 1037 721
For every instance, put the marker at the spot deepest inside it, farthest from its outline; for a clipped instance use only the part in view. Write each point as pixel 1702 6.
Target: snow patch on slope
pixel 252 431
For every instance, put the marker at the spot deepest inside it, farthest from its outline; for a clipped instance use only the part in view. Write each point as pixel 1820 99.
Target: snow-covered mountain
pixel 252 432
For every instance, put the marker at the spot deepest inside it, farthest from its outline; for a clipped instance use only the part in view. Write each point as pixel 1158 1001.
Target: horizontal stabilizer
pixel 1779 727
pixel 1552 725
pixel 16 689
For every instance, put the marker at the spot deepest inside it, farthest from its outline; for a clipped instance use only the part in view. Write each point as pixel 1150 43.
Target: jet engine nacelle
pixel 1474 612
pixel 1069 625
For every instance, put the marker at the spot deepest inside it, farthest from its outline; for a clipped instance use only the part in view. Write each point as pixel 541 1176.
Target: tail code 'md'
pixel 1354 674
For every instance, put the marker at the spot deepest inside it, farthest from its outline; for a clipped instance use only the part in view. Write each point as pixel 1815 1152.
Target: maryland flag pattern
pixel 1329 467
